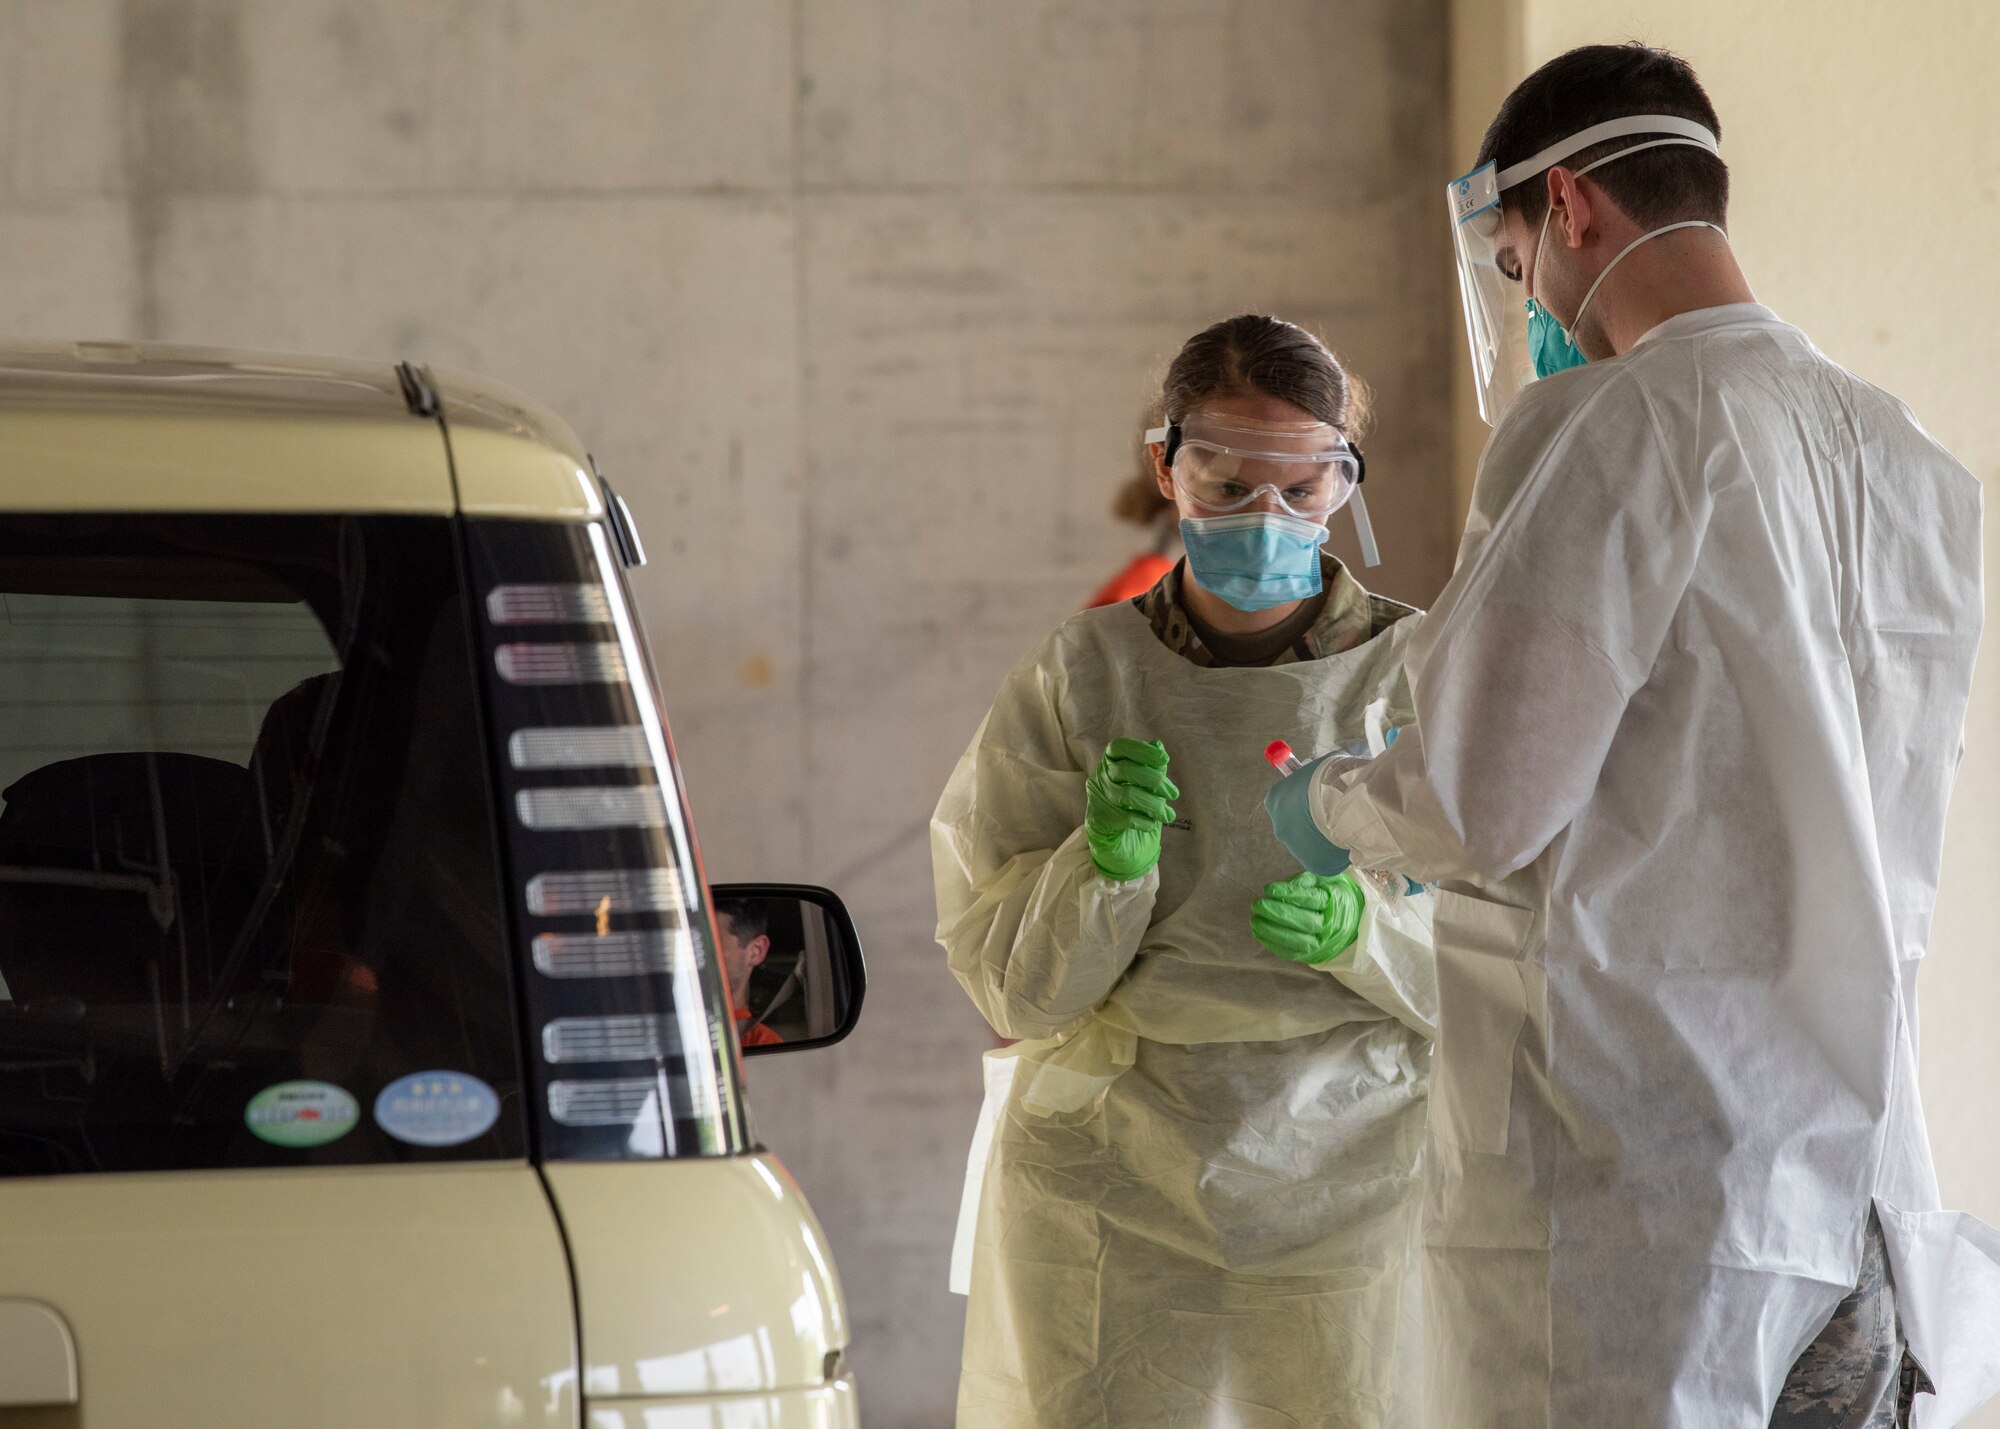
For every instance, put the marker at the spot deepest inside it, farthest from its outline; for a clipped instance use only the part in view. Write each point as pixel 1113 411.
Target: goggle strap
pixel 1364 529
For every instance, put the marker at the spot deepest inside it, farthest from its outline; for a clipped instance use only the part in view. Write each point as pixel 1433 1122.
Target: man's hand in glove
pixel 1307 918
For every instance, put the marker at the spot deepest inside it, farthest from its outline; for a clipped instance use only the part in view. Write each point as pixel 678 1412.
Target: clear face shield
pixel 1496 313
pixel 1224 465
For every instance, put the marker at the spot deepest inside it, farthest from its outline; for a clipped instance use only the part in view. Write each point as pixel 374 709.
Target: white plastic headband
pixel 1686 129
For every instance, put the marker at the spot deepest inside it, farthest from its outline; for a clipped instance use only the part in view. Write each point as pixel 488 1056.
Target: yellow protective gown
pixel 1199 1203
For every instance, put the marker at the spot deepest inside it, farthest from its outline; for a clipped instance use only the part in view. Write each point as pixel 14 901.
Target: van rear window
pixel 251 911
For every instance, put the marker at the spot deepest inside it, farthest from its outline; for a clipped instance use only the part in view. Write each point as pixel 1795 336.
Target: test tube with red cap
pixel 1281 757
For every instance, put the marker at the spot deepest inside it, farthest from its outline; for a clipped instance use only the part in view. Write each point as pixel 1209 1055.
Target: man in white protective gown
pixel 1687 721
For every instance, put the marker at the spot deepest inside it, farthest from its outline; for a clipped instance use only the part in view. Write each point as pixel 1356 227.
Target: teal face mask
pixel 1548 344
pixel 1256 559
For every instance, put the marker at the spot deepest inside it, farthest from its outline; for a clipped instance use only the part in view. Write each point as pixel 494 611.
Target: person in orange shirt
pixel 744 926
pixel 1141 502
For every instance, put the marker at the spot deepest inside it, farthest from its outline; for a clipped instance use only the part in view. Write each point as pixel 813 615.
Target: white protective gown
pixel 1688 716
pixel 1199 1207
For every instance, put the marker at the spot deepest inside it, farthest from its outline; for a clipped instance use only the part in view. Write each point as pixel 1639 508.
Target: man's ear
pixel 756 950
pixel 1566 194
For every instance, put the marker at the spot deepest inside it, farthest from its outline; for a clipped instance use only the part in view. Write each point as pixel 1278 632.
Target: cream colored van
pixel 365 1050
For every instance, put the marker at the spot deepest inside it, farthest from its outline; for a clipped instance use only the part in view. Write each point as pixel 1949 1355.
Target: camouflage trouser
pixel 1856 1374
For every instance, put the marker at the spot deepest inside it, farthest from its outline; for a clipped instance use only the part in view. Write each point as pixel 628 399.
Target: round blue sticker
pixel 437 1108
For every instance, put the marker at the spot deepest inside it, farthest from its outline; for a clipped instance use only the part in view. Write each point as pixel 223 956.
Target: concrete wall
pixel 1863 140
pixel 855 299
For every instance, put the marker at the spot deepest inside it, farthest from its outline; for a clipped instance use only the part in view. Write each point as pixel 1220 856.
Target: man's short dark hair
pixel 748 918
pixel 1596 83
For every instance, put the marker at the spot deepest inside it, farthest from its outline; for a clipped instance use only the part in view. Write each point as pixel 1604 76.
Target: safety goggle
pixel 1228 464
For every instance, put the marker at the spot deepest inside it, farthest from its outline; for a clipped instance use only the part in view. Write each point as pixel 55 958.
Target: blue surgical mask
pixel 1548 344
pixel 1254 559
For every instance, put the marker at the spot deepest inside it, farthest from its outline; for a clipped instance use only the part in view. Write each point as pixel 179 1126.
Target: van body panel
pixel 833 1406
pixel 198 461
pixel 154 427
pixel 514 457
pixel 697 1278
pixel 435 1295
pixel 38 1367
pixel 193 381
pixel 511 475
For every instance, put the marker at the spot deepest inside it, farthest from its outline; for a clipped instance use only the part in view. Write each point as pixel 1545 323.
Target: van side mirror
pixel 794 947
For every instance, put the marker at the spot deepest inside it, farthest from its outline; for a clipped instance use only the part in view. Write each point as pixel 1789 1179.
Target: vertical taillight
pixel 626 1051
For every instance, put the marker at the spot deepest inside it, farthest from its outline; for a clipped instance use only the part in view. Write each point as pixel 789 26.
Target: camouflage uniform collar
pixel 1350 616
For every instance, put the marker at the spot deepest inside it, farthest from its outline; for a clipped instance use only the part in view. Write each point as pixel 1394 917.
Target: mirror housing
pixel 807 980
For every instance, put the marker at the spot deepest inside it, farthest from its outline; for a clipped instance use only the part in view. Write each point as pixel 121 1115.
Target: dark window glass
pixel 249 882
pixel 627 1048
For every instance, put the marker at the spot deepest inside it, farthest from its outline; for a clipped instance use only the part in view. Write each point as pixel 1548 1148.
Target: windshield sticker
pixel 437 1108
pixel 301 1114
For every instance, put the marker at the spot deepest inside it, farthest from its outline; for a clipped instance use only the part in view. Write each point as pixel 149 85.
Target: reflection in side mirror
pixel 793 962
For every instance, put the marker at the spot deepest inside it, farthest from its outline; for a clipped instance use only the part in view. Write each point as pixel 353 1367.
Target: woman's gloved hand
pixel 1289 804
pixel 1125 802
pixel 1309 919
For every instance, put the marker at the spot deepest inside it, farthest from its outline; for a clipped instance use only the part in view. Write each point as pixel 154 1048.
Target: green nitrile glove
pixel 1125 802
pixel 1307 918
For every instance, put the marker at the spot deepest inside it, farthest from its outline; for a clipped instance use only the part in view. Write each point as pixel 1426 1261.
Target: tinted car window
pixel 250 904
